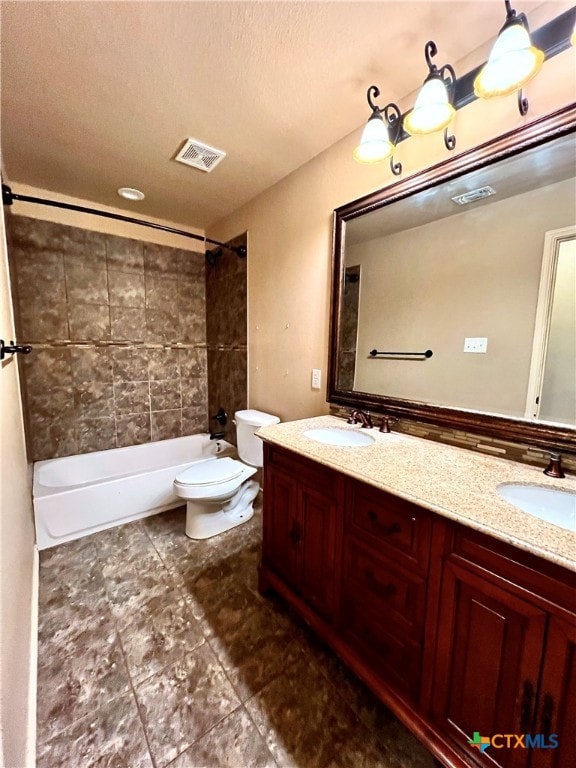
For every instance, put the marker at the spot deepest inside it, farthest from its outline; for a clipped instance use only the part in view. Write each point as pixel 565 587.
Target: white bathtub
pixel 78 495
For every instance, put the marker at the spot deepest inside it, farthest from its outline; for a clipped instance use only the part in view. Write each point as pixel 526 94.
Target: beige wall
pixel 290 240
pixel 473 274
pixel 18 561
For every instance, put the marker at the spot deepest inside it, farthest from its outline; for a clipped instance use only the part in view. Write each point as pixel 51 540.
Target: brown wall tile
pixel 94 399
pixel 86 285
pixel 192 327
pixel 195 393
pixel 95 434
pixel 99 295
pixel 54 403
pixel 43 322
pixel 91 364
pixel 124 255
pixel 161 291
pixel 133 429
pixel 164 364
pixel 166 424
pixel 161 326
pixel 130 364
pixel 132 397
pixel 193 363
pixel 89 321
pixel 126 289
pixel 45 369
pixel 226 327
pixel 165 395
pixel 161 261
pixel 194 420
pixel 128 323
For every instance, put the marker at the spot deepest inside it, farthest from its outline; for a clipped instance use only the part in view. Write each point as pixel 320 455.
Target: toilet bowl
pixel 219 493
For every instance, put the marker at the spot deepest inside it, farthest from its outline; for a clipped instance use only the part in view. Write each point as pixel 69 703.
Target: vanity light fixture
pixel 512 62
pixel 380 134
pixel 434 107
pixel 128 193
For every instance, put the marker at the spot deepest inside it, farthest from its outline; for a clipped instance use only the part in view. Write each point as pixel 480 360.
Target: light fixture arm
pixel 393 118
pixel 448 76
pixel 517 18
pixel 430 50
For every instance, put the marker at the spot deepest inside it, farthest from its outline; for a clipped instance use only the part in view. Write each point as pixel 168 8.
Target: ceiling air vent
pixel 199 155
pixel 473 195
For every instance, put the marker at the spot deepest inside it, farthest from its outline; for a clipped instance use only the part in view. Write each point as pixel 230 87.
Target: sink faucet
pixel 554 468
pixel 362 417
pixel 385 423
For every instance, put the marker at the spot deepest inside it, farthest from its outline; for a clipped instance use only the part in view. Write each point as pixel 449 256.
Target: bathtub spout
pixel 217 435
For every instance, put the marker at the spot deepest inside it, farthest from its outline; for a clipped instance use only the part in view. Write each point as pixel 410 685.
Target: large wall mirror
pixel 454 291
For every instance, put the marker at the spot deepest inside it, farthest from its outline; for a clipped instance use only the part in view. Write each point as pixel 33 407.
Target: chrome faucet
pixel 554 468
pixel 357 416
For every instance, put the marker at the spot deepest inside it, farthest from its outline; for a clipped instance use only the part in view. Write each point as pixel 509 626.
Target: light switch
pixel 316 378
pixel 478 345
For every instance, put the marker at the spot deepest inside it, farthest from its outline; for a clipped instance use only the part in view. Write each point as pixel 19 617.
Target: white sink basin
pixel 549 504
pixel 347 438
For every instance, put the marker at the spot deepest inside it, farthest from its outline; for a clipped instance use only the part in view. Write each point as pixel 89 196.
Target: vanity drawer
pixel 394 656
pixel 386 588
pixel 396 527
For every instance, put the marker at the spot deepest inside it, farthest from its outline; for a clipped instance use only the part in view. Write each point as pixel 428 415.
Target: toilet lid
pixel 211 472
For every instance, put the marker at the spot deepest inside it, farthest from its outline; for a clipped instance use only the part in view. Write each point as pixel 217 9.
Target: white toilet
pixel 219 493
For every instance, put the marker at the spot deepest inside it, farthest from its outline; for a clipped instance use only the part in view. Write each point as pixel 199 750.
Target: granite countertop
pixel 456 483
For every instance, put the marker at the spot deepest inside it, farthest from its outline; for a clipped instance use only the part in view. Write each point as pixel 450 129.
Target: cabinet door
pixel 318 508
pixel 557 700
pixel 488 654
pixel 282 529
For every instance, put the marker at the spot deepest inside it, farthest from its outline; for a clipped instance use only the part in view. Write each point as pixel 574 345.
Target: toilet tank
pixel 250 446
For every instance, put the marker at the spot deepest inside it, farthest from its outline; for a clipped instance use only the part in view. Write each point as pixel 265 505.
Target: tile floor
pixel 155 650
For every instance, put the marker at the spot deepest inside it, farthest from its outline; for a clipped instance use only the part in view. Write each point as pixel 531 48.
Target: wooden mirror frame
pixel 543 434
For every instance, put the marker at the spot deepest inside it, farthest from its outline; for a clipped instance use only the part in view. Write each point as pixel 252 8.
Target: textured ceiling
pixel 99 95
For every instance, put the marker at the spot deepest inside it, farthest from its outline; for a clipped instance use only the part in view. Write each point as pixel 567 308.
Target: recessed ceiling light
pixel 131 194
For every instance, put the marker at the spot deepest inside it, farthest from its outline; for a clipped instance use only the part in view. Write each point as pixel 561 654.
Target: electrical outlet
pixel 478 345
pixel 316 378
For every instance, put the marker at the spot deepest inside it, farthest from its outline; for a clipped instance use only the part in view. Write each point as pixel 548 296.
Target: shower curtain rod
pixel 8 198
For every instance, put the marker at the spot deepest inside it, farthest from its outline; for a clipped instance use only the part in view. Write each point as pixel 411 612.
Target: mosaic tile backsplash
pixel 118 329
pixel 505 449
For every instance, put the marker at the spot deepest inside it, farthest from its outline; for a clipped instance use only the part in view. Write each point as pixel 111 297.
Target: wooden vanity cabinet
pixel 385 551
pixel 301 528
pixel 457 632
pixel 505 658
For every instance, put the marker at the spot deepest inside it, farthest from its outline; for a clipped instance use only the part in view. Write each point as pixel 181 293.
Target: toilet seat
pixel 214 479
pixel 210 472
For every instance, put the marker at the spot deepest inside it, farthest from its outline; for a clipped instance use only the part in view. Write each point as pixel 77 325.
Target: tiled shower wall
pixel 118 328
pixel 226 321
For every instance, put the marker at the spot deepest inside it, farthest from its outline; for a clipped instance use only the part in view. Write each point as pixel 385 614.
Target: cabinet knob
pixel 546 715
pixel 387 530
pixel 526 706
pixel 385 590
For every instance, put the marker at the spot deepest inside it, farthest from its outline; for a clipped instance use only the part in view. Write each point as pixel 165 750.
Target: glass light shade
pixel 375 144
pixel 512 62
pixel 432 110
